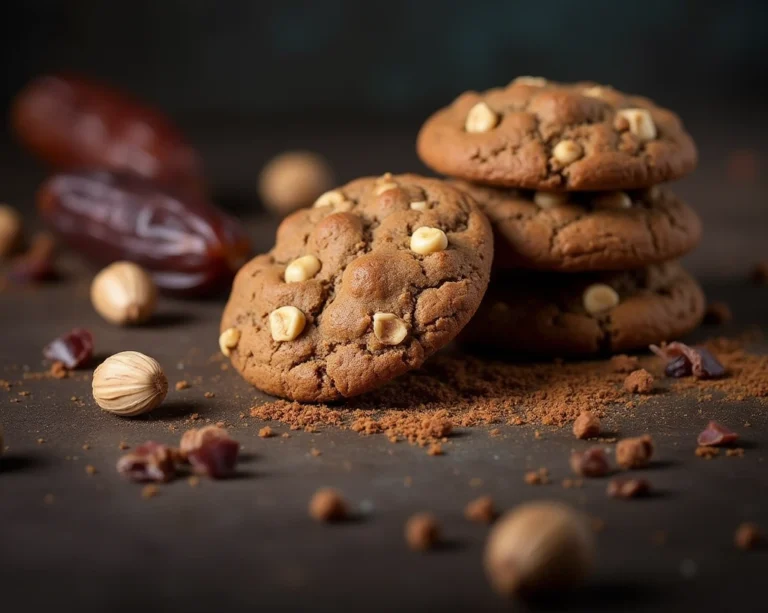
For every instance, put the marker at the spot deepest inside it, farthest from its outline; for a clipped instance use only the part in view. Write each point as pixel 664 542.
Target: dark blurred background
pixel 355 79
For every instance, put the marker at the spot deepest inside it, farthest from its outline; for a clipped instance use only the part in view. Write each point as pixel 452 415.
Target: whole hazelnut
pixel 11 230
pixel 124 293
pixel 294 180
pixel 536 547
pixel 129 384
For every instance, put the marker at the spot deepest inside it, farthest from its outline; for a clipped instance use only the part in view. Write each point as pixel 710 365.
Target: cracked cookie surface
pixel 359 289
pixel 538 134
pixel 547 314
pixel 586 231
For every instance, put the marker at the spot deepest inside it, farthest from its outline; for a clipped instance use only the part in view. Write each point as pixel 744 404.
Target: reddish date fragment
pixel 189 246
pixel 71 122
pixel 149 462
pixel 715 435
pixel 684 361
pixel 73 349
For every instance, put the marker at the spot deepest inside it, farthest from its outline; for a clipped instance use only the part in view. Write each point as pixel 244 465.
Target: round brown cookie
pixel 538 134
pixel 359 289
pixel 586 314
pixel 586 231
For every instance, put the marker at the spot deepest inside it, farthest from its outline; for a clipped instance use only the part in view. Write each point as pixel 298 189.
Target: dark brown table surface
pixel 248 544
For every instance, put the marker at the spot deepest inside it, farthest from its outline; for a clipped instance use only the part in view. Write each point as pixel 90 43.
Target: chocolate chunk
pixel 715 435
pixel 628 488
pixel 215 457
pixel 684 361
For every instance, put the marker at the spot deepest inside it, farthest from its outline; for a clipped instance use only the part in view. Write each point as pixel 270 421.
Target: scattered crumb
pixel 24 393
pixel 748 536
pixel 59 371
pixel 628 488
pixel 266 432
pixel 90 470
pixel 639 382
pixel 315 453
pixel 422 531
pixel 495 432
pixel 537 477
pixel 707 452
pixel 634 452
pixel 182 385
pixel 194 416
pixel 149 491
pixel 738 452
pixel 587 425
pixel 408 481
pixel 48 499
pixel 572 483
pixel 209 395
pixel 717 314
pixel 327 505
pixel 537 435
pixel 122 445
pixel 286 435
pixel 481 510
pixel 624 363
pixel 40 441
pixel 86 447
pixel 435 449
pixel 193 481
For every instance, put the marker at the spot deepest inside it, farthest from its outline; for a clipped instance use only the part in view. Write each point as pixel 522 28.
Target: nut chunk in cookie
pixel 360 288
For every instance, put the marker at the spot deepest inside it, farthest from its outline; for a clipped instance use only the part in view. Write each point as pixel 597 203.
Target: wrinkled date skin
pixel 189 246
pixel 72 123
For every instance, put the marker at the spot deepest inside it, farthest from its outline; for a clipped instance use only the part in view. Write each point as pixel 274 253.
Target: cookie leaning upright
pixel 359 289
pixel 542 135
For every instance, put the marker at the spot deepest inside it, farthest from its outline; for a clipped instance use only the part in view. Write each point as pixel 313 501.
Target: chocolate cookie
pixel 538 134
pixel 565 315
pixel 359 289
pixel 586 231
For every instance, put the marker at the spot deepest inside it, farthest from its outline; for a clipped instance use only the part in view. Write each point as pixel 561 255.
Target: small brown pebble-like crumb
pixel 748 536
pixel 639 382
pixel 587 425
pixel 422 531
pixel 182 385
pixel 193 481
pixel 717 314
pixel 327 505
pixel 286 435
pixel 315 453
pixel 571 483
pixel 481 510
pixel 735 453
pixel 707 452
pixel 40 441
pixel 209 395
pixel 495 432
pixel 24 393
pixel 634 452
pixel 59 371
pixel 537 477
pixel 91 470
pixel 537 435
pixel 122 445
pixel 149 491
pixel 266 432
pixel 759 273
pixel 624 363
pixel 435 449
pixel 194 416
pixel 628 488
pixel 590 463
pixel 86 447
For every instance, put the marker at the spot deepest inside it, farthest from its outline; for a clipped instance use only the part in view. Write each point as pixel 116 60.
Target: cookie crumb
pixel 194 416
pixel 315 453
pixel 422 531
pixel 624 363
pixel 587 425
pixel 717 314
pixel 537 477
pixel 494 432
pixel 748 536
pixel 707 452
pixel 209 395
pixel 59 371
pixel 182 385
pixel 569 483
pixel 628 488
pixel 634 452
pixel 537 435
pixel 590 463
pixel 149 491
pixel 193 481
pixel 285 435
pixel 738 452
pixel 639 382
pixel 266 432
pixel 86 447
pixel 24 393
pixel 435 449
pixel 122 445
pixel 40 441
pixel 90 470
pixel 481 510
pixel 327 505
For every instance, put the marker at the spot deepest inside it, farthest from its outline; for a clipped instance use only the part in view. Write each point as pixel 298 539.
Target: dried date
pixel 188 245
pixel 71 122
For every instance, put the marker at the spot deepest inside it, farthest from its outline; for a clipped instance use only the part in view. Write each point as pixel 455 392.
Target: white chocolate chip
pixel 481 118
pixel 421 205
pixel 426 240
pixel 567 151
pixel 229 340
pixel 599 297
pixel 286 323
pixel 613 200
pixel 389 328
pixel 332 198
pixel 385 187
pixel 594 92
pixel 547 200
pixel 640 123
pixel 532 81
pixel 301 269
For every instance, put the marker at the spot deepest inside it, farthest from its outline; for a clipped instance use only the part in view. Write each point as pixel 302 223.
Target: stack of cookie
pixel 585 237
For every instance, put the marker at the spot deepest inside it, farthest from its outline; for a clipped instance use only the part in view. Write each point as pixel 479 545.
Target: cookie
pixel 537 134
pixel 359 289
pixel 586 314
pixel 586 231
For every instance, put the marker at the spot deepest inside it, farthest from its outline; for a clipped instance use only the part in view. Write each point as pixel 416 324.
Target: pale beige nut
pixel 481 118
pixel 332 198
pixel 129 383
pixel 294 180
pixel 547 200
pixel 124 293
pixel 640 123
pixel 228 340
pixel 612 200
pixel 11 230
pixel 567 151
pixel 426 240
pixel 420 205
pixel 302 269
pixel 531 81
pixel 286 323
pixel 385 187
pixel 599 298
pixel 389 328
